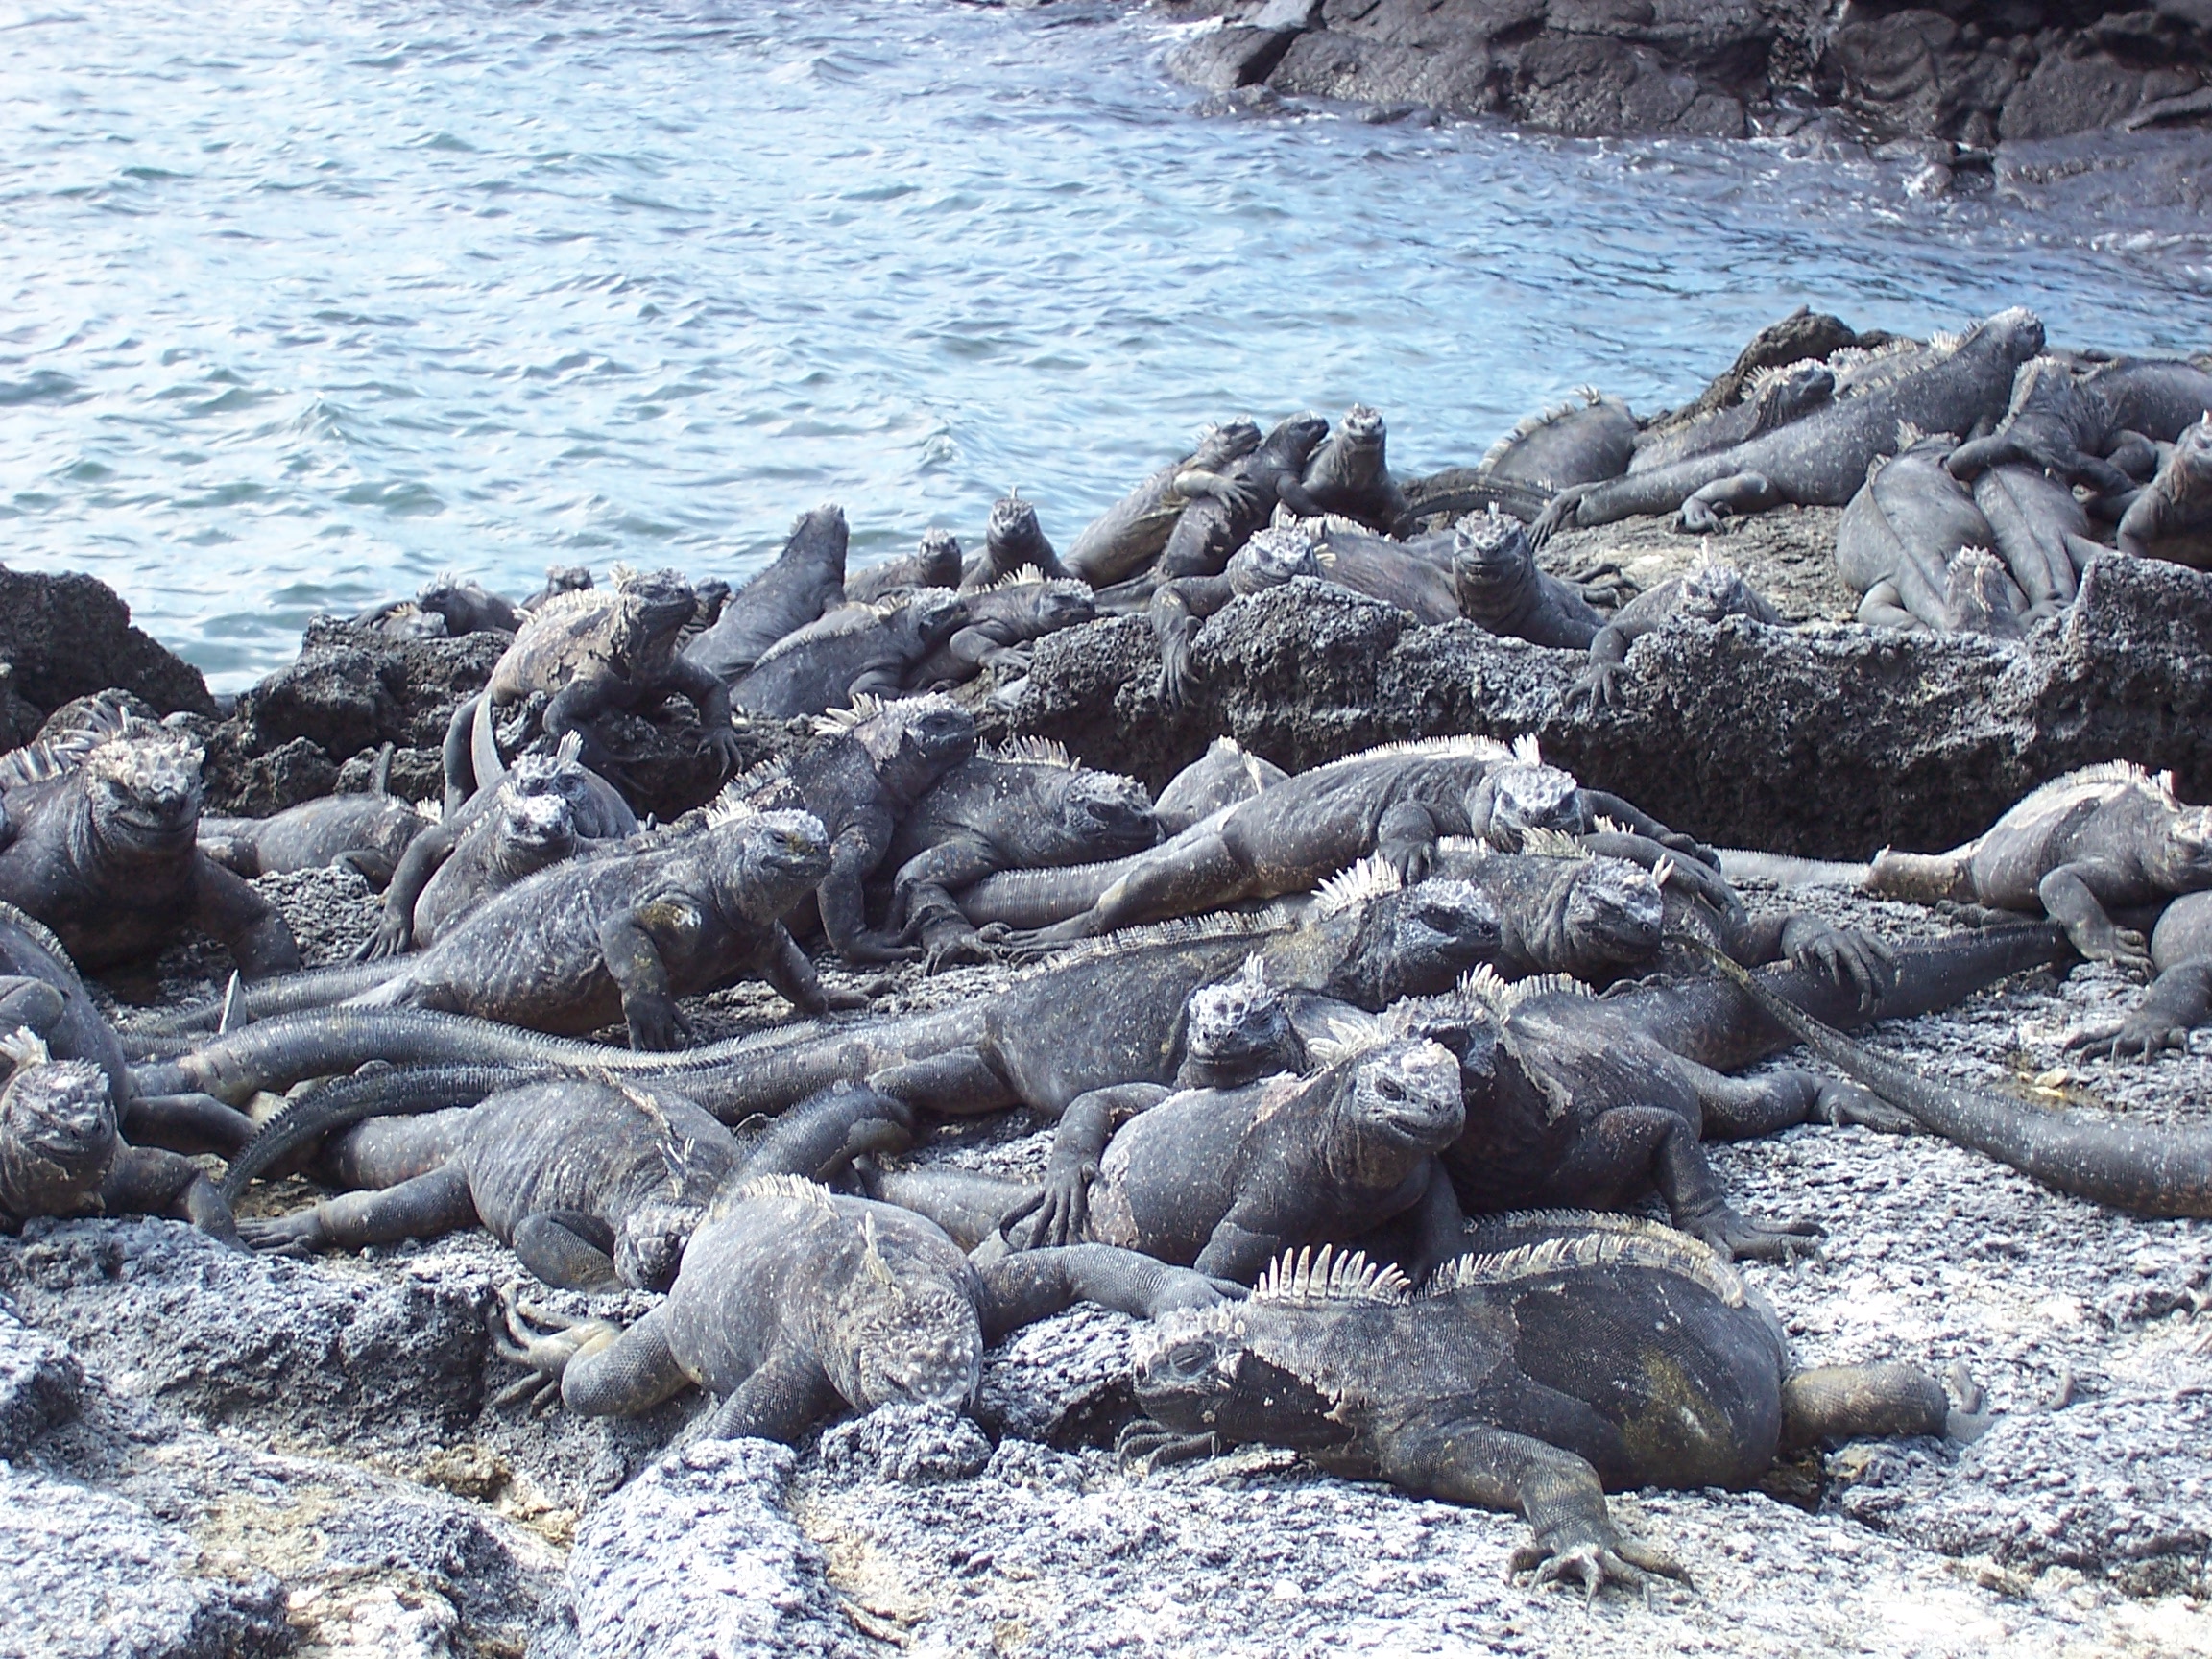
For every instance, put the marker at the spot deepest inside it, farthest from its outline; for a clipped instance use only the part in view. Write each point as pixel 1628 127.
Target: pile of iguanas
pixel 1358 1079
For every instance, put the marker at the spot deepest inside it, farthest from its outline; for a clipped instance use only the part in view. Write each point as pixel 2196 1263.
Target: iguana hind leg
pixel 567 1248
pixel 1861 1402
pixel 968 1206
pixel 1201 874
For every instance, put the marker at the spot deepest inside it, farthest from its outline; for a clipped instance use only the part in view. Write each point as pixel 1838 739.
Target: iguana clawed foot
pixel 1838 1104
pixel 2133 1038
pixel 296 1235
pixel 1147 1446
pixel 1596 1562
pixel 1854 959
pixel 546 1353
pixel 1738 1237
pixel 1598 687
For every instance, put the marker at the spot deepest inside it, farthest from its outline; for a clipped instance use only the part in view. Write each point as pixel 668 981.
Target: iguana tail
pixel 1923 878
pixel 322 1112
pixel 2149 1171
pixel 1778 870
pixel 293 994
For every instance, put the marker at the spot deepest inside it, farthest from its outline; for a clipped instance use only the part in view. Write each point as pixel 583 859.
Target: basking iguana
pixel 446 609
pixel 1023 806
pixel 852 652
pixel 1223 1179
pixel 793 1303
pixel 1002 621
pixel 1013 542
pixel 1222 776
pixel 1269 558
pixel 1349 475
pixel 2177 1001
pixel 364 834
pixel 1589 437
pixel 1774 396
pixel 2106 838
pixel 1394 801
pixel 1126 539
pixel 935 563
pixel 2056 425
pixel 1820 460
pixel 592 652
pixel 806 579
pixel 60 1154
pixel 592 1184
pixel 1709 593
pixel 1567 1355
pixel 1415 576
pixel 105 855
pixel 1499 587
pixel 864 775
pixel 528 820
pixel 2042 534
pixel 1902 534
pixel 2172 518
pixel 1227 506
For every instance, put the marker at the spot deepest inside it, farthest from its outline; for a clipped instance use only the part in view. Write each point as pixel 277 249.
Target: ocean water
pixel 305 301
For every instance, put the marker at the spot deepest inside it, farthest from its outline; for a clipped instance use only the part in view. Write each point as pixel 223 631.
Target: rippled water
pixel 304 301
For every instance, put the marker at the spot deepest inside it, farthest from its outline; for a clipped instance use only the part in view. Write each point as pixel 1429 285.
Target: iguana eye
pixel 1190 1358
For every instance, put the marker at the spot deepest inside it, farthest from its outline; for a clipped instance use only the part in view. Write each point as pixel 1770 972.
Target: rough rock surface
pixel 69 636
pixel 1971 75
pixel 1824 741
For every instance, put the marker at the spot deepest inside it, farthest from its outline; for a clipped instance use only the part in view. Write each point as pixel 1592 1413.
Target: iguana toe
pixel 1152 1446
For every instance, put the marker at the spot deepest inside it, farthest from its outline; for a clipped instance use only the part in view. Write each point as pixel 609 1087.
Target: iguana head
pixel 1270 557
pixel 654 609
pixel 935 615
pixel 561 775
pixel 907 1338
pixel 1206 1377
pixel 2016 333
pixel 1218 445
pixel 1358 445
pixel 2190 470
pixel 1712 590
pixel 57 1135
pixel 144 790
pixel 650 1243
pixel 778 857
pixel 1615 910
pixel 1491 554
pixel 931 735
pixel 1012 535
pixel 566 579
pixel 1524 795
pixel 1294 440
pixel 1107 815
pixel 1064 605
pixel 1787 393
pixel 1413 941
pixel 1234 1029
pixel 1404 1093
pixel 1978 596
pixel 2184 862
pixel 539 829
pixel 940 559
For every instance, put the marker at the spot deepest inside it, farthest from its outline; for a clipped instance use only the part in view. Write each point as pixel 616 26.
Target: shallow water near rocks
pixel 304 303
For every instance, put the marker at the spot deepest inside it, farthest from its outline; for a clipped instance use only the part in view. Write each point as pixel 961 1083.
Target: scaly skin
pixel 792 1302
pixel 1227 506
pixel 935 563
pixel 2178 1000
pixel 1586 439
pixel 1821 459
pixel 2172 518
pixel 2157 397
pixel 1499 587
pixel 853 651
pixel 1774 399
pixel 2056 424
pixel 1001 621
pixel 367 834
pixel 1576 1354
pixel 1125 539
pixel 1350 475
pixel 2042 534
pixel 1224 776
pixel 1414 577
pixel 1269 557
pixel 1013 542
pixel 807 580
pixel 1902 531
pixel 1710 592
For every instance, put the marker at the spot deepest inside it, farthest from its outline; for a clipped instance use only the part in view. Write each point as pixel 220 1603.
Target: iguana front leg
pixel 426 856
pixel 1598 686
pixel 145 1182
pixel 853 856
pixel 1705 511
pixel 2070 899
pixel 780 1401
pixel 1467 1461
pixel 593 1366
pixel 1029 1285
pixel 1081 1141
pixel 427 1207
pixel 2178 1001
pixel 631 943
pixel 785 968
pixel 253 929
pixel 1406 840
pixel 718 738
pixel 573 708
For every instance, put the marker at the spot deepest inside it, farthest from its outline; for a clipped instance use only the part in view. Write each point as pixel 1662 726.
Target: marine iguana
pixel 493 840
pixel 1774 398
pixel 1495 578
pixel 1002 621
pixel 1349 475
pixel 1414 577
pixel 793 1302
pixel 875 762
pixel 2042 534
pixel 1568 1353
pixel 60 1154
pixel 593 653
pixel 1227 506
pixel 560 579
pixel 1013 542
pixel 1130 534
pixel 935 563
pixel 365 833
pixel 2104 838
pixel 1821 459
pixel 1222 776
pixel 1394 801
pixel 1902 531
pixel 2055 424
pixel 458 604
pixel 2172 518
pixel 592 1184
pixel 853 651
pixel 1574 1099
pixel 2146 1171
pixel 2179 999
pixel 806 579
pixel 106 856
pixel 1589 437
pixel 1023 806
pixel 1223 1179
pixel 2158 397
pixel 1269 558
pixel 1709 593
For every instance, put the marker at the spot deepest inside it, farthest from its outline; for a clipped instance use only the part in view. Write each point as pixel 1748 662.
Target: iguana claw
pixel 1155 1446
pixel 1594 1564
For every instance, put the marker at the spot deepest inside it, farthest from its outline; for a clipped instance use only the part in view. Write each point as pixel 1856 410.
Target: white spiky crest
pixel 1525 749
pixel 1599 1241
pixel 1583 397
pixel 1943 343
pixel 1032 752
pixel 570 751
pixel 1371 877
pixel 24 1047
pixel 733 806
pixel 1499 995
pixel 1349 1036
pixel 1460 746
pixel 1611 827
pixel 1311 1279
pixel 1541 843
pixel 867 707
pixel 784 1187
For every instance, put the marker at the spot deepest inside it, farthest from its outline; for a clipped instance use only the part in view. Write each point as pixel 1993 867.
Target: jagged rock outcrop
pixel 69 636
pixel 1825 741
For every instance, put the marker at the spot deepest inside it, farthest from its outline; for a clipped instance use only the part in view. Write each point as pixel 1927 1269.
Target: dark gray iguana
pixel 793 1303
pixel 592 1184
pixel 1002 621
pixel 1585 439
pixel 1349 475
pixel 1269 558
pixel 861 779
pixel 1227 506
pixel 854 651
pixel 1774 398
pixel 806 579
pixel 2104 838
pixel 1709 593
pixel 1821 459
pixel 935 563
pixel 1222 776
pixel 1568 1354
pixel 1013 542
pixel 1900 539
pixel 2177 1001
pixel 365 833
pixel 1499 587
pixel 592 652
pixel 2042 534
pixel 107 855
pixel 1126 539
pixel 1024 807
pixel 2172 518
pixel 2055 424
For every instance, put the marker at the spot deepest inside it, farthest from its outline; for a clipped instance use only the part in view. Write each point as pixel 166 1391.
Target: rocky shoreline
pixel 1968 75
